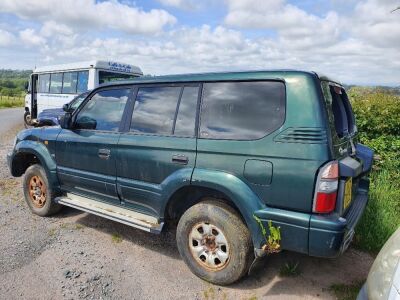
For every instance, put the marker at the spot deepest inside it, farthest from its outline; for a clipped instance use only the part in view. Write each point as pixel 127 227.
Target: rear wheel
pixel 38 193
pixel 214 242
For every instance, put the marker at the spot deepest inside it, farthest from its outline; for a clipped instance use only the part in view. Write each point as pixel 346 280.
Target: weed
pixel 346 291
pixel 273 239
pixel 290 269
pixel 116 238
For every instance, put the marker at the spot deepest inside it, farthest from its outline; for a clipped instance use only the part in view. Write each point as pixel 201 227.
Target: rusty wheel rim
pixel 37 191
pixel 209 246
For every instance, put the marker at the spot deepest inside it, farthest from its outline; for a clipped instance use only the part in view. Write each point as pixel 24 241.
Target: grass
pixel 6 102
pixel 290 269
pixel 382 215
pixel 346 291
pixel 116 238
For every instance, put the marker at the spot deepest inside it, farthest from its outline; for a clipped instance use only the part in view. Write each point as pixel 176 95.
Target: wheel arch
pixel 223 186
pixel 28 153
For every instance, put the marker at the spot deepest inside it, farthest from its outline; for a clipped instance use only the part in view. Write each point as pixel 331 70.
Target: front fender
pixel 238 192
pixel 43 155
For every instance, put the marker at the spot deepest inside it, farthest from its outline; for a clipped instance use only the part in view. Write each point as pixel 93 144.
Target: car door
pixel 86 154
pixel 158 145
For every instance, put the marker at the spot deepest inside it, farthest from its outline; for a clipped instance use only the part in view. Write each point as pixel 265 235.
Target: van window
pixel 242 110
pixel 154 110
pixel 106 108
pixel 105 76
pixel 69 83
pixel 83 78
pixel 186 118
pixel 44 83
pixel 56 83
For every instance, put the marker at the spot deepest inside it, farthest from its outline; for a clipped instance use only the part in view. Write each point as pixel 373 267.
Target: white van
pixel 53 86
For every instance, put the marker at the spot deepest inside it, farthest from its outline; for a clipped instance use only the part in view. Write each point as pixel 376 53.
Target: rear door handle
pixel 180 159
pixel 104 153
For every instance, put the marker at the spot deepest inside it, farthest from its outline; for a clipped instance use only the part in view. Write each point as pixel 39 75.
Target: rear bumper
pixel 317 235
pixel 331 235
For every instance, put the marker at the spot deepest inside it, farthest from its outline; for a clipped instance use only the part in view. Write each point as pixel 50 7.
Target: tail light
pixel 326 188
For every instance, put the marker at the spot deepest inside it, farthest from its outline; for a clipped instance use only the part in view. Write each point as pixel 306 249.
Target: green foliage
pixel 290 269
pixel 346 291
pixel 378 121
pixel 12 82
pixel 272 239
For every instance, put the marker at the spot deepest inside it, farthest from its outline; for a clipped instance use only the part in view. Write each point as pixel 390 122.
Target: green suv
pixel 245 163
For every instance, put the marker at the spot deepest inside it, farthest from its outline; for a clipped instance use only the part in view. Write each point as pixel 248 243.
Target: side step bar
pixel 112 212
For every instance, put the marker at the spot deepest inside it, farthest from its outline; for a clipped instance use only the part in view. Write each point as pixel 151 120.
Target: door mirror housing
pixel 65 120
pixel 86 123
pixel 66 107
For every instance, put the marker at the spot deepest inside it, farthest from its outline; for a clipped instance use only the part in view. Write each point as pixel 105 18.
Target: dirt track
pixel 76 255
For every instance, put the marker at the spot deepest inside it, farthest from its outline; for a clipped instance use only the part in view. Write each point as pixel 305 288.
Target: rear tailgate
pixel 355 160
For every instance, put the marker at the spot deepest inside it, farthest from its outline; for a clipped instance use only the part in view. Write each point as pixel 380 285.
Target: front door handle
pixel 104 153
pixel 180 159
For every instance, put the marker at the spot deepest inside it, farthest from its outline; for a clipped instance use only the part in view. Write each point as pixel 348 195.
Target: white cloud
pixel 6 38
pixel 91 14
pixel 182 4
pixel 30 37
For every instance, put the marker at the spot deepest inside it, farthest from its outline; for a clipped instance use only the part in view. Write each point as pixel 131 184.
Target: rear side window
pixel 154 110
pixel 106 108
pixel 186 118
pixel 242 110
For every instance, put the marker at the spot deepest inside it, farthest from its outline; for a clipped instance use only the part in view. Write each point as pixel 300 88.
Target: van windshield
pixel 339 104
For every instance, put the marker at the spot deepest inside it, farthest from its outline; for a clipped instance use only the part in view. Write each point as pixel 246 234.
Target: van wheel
pixel 214 242
pixel 38 193
pixel 27 120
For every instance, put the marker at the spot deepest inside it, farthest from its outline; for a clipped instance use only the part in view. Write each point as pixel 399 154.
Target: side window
pixel 44 83
pixel 56 83
pixel 242 110
pixel 154 110
pixel 186 119
pixel 83 78
pixel 105 109
pixel 69 83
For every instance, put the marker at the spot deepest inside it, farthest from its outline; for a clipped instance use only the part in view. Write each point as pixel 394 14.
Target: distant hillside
pixel 12 82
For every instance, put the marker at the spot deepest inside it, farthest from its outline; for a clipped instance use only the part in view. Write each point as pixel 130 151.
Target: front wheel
pixel 38 193
pixel 214 242
pixel 27 120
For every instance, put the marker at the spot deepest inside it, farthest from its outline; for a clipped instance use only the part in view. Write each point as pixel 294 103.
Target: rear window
pixel 242 110
pixel 339 103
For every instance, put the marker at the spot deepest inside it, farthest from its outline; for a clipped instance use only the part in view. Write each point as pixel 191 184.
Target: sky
pixel 354 41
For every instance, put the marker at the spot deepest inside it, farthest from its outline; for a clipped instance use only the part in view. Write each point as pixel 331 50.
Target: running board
pixel 112 212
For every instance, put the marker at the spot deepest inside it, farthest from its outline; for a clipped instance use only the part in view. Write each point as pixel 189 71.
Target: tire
pixel 27 120
pixel 39 195
pixel 214 242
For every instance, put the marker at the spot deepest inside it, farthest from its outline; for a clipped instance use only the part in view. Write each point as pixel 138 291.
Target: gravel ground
pixel 74 255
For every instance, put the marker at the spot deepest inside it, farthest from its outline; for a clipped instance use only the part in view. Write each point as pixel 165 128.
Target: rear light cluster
pixel 326 188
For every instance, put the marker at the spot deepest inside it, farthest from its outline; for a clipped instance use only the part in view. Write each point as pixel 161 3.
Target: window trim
pixel 243 80
pixel 90 96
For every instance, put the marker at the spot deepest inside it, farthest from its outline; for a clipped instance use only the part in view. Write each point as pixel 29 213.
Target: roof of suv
pixel 243 75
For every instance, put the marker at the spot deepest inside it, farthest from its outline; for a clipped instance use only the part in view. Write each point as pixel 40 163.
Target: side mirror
pixel 65 120
pixel 85 123
pixel 66 107
pixel 26 86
